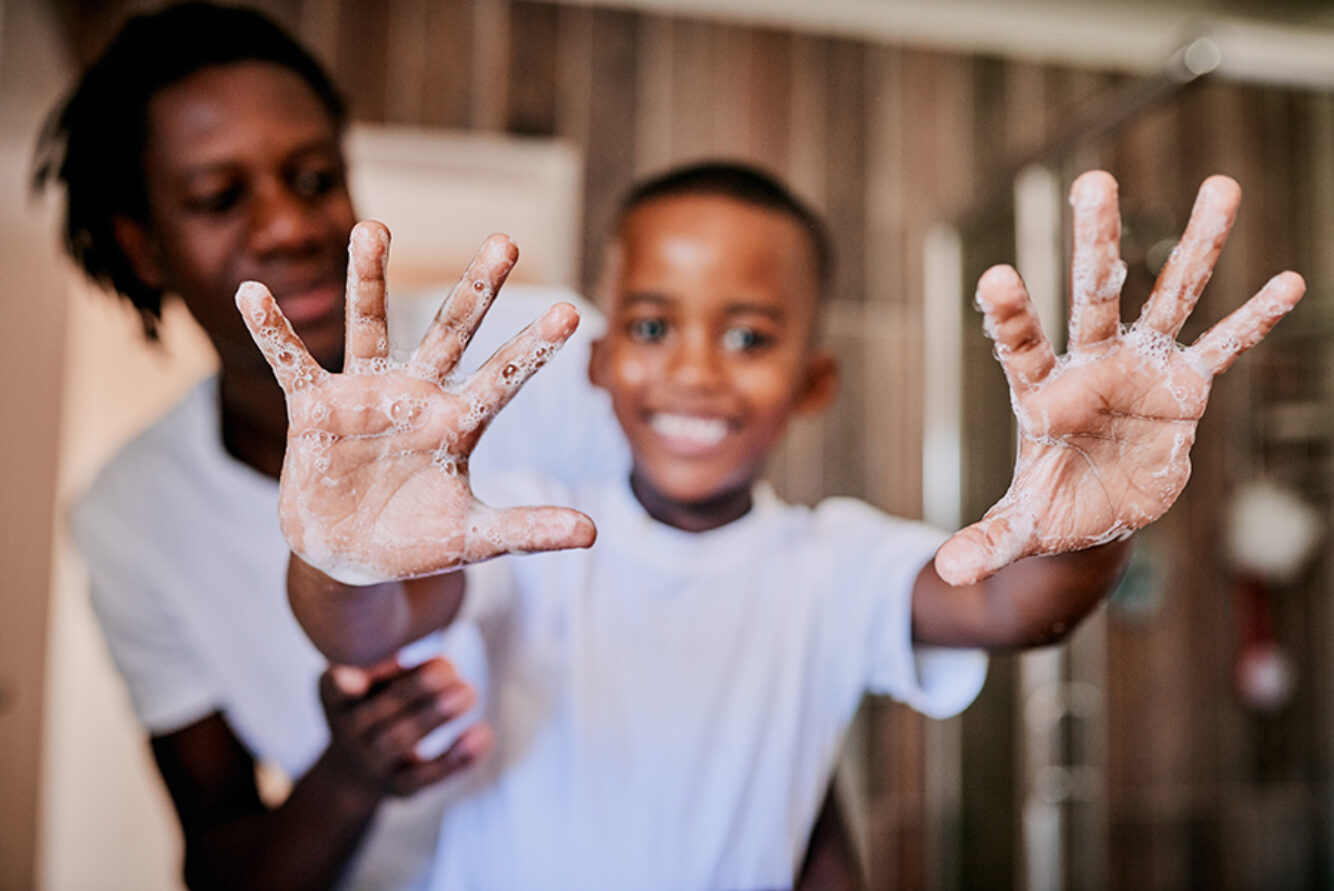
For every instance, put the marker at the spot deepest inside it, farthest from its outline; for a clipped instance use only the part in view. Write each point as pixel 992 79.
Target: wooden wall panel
pixel 533 70
pixel 361 66
pixel 610 164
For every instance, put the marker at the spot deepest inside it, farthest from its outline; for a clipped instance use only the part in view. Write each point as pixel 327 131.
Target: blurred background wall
pixel 891 121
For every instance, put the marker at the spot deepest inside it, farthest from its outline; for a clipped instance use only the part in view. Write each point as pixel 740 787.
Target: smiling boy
pixel 713 296
pixel 668 703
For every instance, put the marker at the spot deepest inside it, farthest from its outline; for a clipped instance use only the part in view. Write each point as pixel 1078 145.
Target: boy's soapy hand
pixel 1105 431
pixel 375 478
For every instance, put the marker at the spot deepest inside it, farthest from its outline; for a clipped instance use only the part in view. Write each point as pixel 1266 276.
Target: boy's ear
pixel 139 248
pixel 821 384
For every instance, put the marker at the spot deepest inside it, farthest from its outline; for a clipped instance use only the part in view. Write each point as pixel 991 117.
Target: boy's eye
pixel 743 339
pixel 648 330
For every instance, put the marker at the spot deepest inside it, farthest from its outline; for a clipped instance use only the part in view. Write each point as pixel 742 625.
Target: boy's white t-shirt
pixel 669 705
pixel 187 567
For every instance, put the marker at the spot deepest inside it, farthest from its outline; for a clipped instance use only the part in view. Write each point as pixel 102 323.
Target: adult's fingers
pixel 500 377
pixel 1191 264
pixel 1011 321
pixel 367 329
pixel 472 746
pixel 463 310
pixel 1244 327
pixel 408 690
pixel 357 680
pixel 496 531
pixel 273 334
pixel 397 741
pixel 1097 273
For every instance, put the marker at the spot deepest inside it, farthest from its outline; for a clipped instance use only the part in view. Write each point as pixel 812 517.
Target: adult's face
pixel 245 180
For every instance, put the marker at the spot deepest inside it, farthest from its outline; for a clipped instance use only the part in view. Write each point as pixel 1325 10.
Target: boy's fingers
pixel 1244 327
pixel 500 377
pixel 980 550
pixel 273 334
pixel 1011 322
pixel 1097 273
pixel 367 328
pixel 464 309
pixel 1191 264
pixel 526 530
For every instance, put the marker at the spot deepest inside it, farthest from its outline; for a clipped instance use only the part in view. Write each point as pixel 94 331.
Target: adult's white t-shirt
pixel 187 566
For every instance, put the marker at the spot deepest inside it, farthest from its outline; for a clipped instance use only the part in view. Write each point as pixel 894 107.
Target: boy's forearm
pixel 1045 598
pixel 362 625
pixel 1032 602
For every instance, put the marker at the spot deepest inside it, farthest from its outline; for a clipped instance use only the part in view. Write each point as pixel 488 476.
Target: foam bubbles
pixel 404 412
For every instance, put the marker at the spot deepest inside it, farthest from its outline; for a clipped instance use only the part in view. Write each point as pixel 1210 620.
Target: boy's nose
pixel 695 361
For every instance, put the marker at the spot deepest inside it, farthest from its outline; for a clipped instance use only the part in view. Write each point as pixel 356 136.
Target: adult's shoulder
pixel 514 307
pixel 152 461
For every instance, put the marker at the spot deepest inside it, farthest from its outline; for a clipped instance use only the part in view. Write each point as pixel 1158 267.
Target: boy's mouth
pixel 692 432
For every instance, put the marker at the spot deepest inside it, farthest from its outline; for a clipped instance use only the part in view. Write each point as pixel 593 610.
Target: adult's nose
pixel 280 220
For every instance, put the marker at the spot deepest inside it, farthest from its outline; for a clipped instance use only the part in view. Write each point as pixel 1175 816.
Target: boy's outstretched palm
pixel 1105 432
pixel 375 478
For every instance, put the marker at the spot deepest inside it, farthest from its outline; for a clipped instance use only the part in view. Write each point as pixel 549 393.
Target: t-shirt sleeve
pixel 167 685
pixel 887 554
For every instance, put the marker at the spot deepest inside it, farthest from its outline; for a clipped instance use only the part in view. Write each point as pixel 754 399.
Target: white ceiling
pixel 1288 42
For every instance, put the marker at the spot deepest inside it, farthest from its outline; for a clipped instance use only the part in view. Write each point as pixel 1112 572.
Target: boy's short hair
pixel 744 183
pixel 93 142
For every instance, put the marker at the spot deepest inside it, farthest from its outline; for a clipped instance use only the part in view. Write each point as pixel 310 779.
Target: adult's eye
pixel 214 203
pixel 316 181
pixel 648 330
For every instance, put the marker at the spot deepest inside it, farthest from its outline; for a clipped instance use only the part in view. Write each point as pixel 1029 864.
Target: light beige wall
pixel 82 807
pixel 31 333
pixel 106 822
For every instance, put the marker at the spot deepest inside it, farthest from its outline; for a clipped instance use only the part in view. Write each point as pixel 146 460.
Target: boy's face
pixel 708 349
pixel 244 176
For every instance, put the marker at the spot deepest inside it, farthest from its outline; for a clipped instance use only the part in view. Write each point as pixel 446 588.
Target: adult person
pixel 204 148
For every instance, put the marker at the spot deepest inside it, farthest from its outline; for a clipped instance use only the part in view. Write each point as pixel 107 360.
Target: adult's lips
pixel 309 304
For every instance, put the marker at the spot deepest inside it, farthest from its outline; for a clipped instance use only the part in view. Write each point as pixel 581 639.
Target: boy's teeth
pixel 705 431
